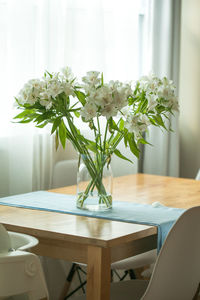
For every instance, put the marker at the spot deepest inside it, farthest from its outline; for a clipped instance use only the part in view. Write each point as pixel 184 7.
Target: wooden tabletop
pixel 72 228
pixel 146 188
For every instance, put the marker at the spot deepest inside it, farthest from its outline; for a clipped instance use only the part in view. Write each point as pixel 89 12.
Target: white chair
pixel 198 175
pixel 65 173
pixel 176 275
pixel 21 241
pixel 21 275
pixel 15 241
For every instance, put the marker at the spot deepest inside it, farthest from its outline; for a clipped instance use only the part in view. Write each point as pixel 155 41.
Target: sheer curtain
pixel 163 157
pixel 109 36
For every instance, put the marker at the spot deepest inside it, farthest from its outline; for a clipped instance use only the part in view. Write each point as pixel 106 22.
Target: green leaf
pixel 158 119
pixel 153 122
pixel 92 147
pixel 62 133
pixel 26 121
pixel 119 154
pixel 24 113
pixel 77 113
pixel 112 125
pixel 57 139
pixel 56 123
pixel 81 97
pixel 144 142
pixel 50 75
pixel 133 146
pixel 40 118
pixel 115 138
pixel 121 124
pixel 42 125
pixel 102 78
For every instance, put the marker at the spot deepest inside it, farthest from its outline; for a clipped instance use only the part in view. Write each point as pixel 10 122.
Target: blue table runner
pixel 161 216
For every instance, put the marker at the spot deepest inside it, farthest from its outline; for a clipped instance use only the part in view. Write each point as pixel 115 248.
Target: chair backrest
pixel 21 274
pixel 198 175
pixel 177 270
pixel 5 241
pixel 65 173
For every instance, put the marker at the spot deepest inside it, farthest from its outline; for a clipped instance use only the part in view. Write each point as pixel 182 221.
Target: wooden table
pixel 99 242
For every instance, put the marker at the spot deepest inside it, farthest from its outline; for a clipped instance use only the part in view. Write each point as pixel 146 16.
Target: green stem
pixel 105 136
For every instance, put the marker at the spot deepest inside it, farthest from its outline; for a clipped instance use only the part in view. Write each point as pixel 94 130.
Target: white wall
pixel 190 89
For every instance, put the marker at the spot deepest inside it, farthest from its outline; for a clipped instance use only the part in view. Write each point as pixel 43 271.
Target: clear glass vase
pixel 94 183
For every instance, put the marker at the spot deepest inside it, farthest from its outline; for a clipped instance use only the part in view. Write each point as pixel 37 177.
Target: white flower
pixel 144 120
pixel 89 111
pixel 30 92
pixel 165 92
pixel 152 101
pixel 68 89
pixel 92 78
pixel 46 102
pixel 103 96
pixel 109 111
pixel 119 99
pixel 67 72
pixel 125 111
pixel 149 83
pixel 173 103
pixel 137 124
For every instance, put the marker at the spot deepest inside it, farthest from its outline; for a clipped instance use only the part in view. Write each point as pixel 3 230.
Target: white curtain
pixel 163 157
pixel 37 35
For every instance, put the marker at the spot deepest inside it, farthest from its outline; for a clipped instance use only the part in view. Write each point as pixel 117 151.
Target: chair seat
pixel 136 261
pixel 126 290
pixel 20 241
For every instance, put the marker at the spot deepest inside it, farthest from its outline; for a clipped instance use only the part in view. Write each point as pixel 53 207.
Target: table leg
pixel 98 273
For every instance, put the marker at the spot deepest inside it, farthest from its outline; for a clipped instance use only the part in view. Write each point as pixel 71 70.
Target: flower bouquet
pixel 115 112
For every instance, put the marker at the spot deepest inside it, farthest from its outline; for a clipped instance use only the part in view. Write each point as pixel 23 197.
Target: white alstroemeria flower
pixel 92 78
pixel 152 101
pixel 68 89
pixel 30 92
pixel 137 124
pixel 54 90
pixel 37 86
pixel 114 85
pixel 67 72
pixel 144 120
pixel 149 84
pixel 131 124
pixel 47 103
pixel 88 89
pixel 53 86
pixel 89 111
pixel 165 92
pixel 119 100
pixel 168 83
pixel 109 111
pixel 125 111
pixel 173 103
pixel 127 89
pixel 103 96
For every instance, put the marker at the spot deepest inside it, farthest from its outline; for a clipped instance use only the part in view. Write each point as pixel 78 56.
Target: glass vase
pixel 94 183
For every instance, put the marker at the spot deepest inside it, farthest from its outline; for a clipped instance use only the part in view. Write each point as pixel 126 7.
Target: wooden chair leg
pixel 68 281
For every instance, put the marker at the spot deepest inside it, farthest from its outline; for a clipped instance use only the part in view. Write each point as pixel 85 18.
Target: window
pixel 109 36
pixel 37 35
